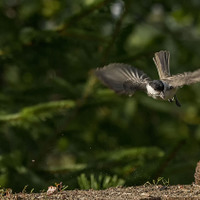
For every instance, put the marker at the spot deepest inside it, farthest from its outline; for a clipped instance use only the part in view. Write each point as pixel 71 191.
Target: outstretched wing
pixel 161 60
pixel 123 78
pixel 186 78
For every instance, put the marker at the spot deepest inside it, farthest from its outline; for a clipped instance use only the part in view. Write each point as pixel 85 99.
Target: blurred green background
pixel 58 122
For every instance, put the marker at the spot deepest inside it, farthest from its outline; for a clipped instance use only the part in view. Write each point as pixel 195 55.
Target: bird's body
pixel 125 79
pixel 169 93
pixel 166 94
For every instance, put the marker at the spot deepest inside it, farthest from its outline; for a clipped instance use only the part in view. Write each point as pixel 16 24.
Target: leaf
pixel 38 112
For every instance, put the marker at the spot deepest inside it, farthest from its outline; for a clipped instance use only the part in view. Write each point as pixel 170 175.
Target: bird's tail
pixel 161 60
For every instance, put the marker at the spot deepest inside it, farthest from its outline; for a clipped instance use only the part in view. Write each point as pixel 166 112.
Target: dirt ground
pixel 150 192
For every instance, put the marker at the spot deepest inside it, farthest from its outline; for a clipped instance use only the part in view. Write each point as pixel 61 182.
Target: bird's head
pixel 157 85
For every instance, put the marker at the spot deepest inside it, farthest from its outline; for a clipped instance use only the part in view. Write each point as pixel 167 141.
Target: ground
pixel 146 192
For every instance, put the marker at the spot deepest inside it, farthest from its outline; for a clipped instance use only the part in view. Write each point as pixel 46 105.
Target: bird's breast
pixel 169 94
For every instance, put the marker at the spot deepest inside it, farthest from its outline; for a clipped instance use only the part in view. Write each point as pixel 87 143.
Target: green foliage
pixel 160 180
pixel 38 112
pixel 58 121
pixel 101 182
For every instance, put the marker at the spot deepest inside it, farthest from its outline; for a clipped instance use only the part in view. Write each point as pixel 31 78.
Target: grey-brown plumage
pixel 123 78
pixel 186 78
pixel 161 60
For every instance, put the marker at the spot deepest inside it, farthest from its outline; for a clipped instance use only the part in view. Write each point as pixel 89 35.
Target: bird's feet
pixel 176 101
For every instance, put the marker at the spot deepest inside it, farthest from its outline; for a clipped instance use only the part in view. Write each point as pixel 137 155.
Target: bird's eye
pixel 170 87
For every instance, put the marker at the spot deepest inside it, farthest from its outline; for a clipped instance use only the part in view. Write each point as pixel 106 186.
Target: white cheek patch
pixel 151 91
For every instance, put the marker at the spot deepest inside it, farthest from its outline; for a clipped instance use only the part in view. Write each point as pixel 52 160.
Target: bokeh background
pixel 60 124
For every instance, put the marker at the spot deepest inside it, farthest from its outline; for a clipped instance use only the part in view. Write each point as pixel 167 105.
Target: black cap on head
pixel 157 85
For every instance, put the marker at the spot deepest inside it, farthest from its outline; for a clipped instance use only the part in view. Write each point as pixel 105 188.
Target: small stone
pixel 197 174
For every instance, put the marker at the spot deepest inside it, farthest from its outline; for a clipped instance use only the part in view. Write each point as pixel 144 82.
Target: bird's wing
pixel 123 78
pixel 186 78
pixel 161 60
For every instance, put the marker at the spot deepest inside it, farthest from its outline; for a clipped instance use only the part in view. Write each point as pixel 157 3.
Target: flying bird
pixel 125 79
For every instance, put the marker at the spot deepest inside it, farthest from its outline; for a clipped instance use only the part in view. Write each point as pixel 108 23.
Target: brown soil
pixel 150 192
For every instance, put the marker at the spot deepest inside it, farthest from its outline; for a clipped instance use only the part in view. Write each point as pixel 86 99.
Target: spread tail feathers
pixel 161 60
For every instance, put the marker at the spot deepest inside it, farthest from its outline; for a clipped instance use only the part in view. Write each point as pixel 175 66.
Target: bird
pixel 126 79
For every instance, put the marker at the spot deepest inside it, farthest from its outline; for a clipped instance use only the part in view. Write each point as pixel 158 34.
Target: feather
pixel 186 78
pixel 161 60
pixel 123 78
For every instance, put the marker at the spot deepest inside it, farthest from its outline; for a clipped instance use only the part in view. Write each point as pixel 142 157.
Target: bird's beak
pixel 162 95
